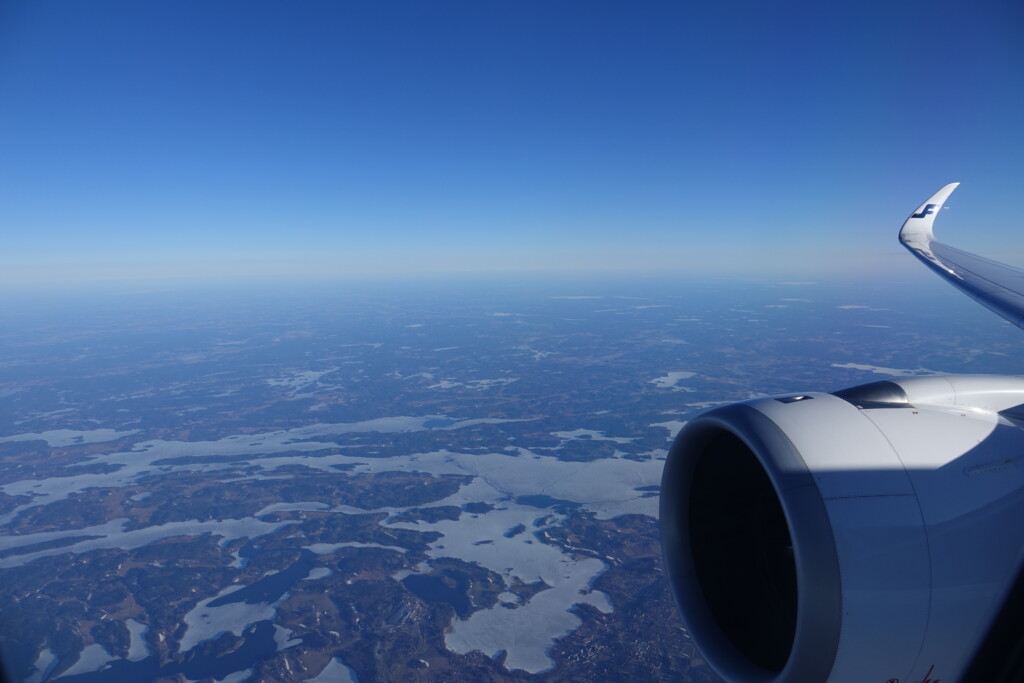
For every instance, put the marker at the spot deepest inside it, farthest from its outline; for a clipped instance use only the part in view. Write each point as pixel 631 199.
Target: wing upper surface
pixel 995 285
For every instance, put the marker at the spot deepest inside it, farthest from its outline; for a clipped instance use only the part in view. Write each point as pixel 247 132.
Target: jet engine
pixel 871 534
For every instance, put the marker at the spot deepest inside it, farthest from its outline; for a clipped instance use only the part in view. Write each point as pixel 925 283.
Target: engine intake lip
pixel 772 468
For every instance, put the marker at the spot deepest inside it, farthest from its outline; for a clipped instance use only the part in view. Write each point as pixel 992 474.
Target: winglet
pixel 997 286
pixel 916 232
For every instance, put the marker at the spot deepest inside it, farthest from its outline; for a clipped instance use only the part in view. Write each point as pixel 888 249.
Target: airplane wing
pixel 995 285
pixel 869 534
pixel 1000 288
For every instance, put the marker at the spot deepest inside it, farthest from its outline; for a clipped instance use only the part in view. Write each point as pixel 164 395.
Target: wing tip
pixel 917 229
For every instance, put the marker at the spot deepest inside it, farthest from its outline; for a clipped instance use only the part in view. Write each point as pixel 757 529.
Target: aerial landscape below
pixel 448 481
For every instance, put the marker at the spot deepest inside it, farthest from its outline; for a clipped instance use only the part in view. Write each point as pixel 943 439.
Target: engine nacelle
pixel 866 535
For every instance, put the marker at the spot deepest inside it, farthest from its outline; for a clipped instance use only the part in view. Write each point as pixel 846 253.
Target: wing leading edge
pixel 997 286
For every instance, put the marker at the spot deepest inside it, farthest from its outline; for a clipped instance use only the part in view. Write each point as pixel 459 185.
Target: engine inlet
pixel 742 552
pixel 748 546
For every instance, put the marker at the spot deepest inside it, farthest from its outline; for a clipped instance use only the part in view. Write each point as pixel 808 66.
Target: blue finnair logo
pixel 928 209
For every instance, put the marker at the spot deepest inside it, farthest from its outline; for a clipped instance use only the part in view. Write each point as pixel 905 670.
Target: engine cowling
pixel 866 535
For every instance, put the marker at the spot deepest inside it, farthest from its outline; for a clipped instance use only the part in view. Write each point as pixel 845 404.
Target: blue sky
pixel 190 139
